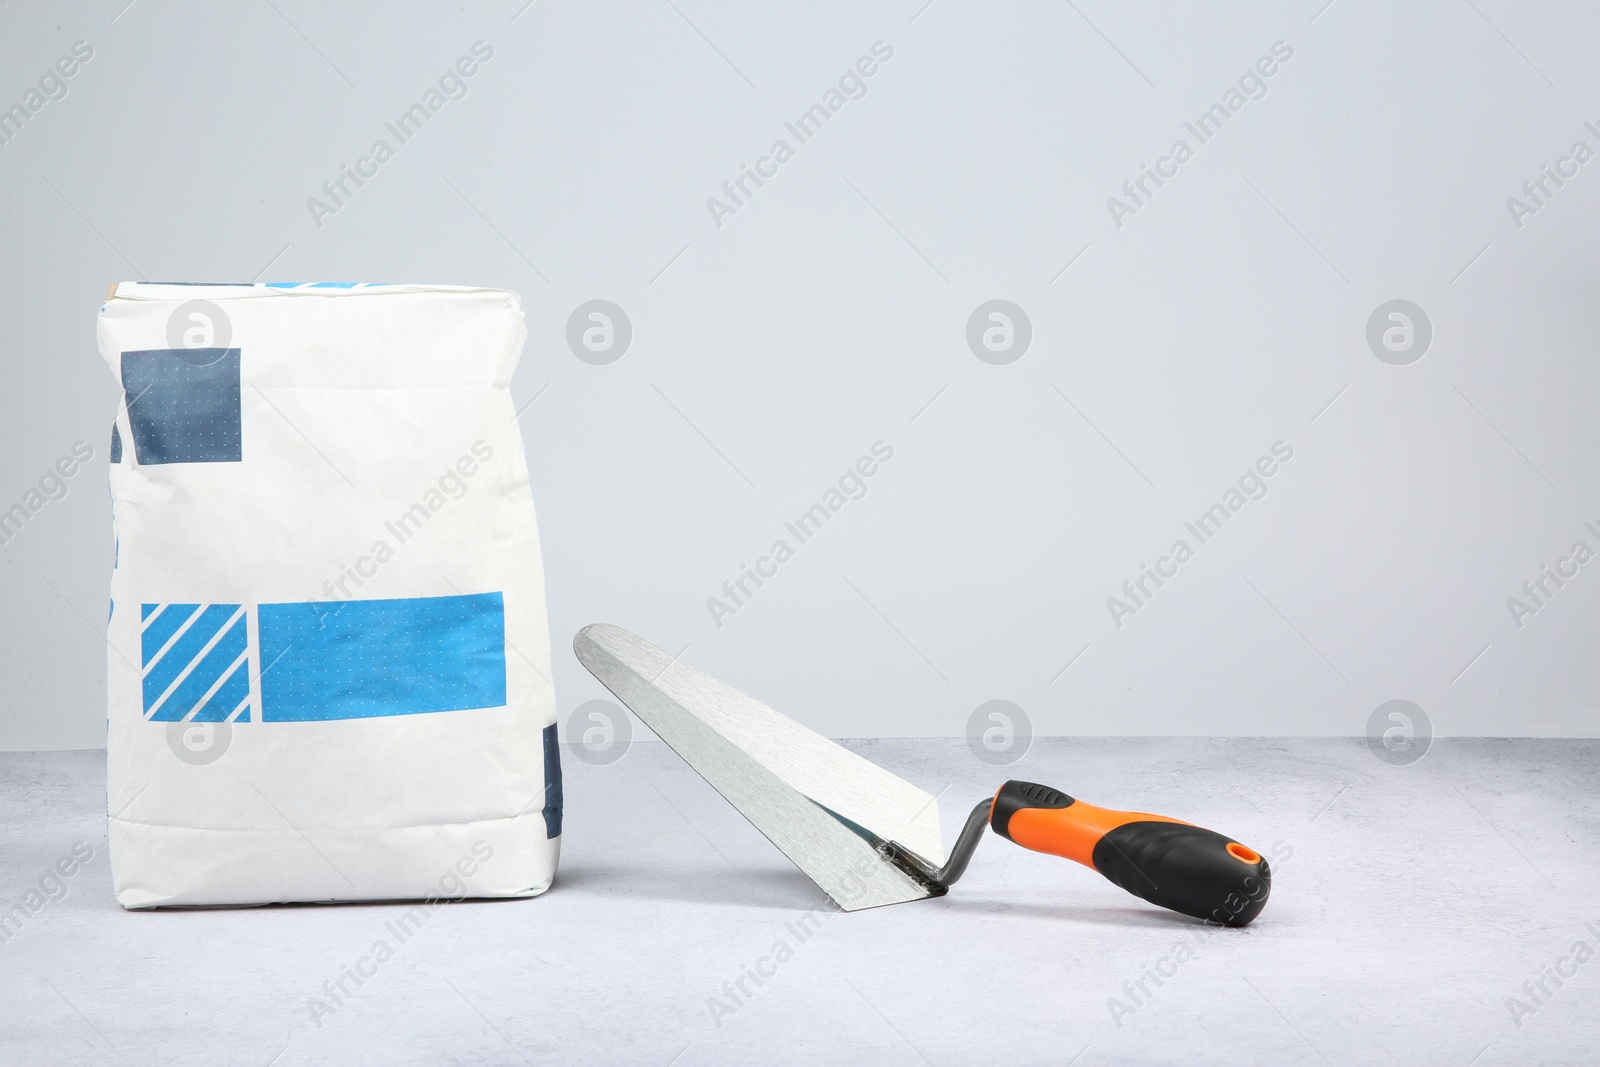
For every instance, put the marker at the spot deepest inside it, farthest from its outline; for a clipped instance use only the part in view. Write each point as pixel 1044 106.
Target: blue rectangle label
pixel 363 658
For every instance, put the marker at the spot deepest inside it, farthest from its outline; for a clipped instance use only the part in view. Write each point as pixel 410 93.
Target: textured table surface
pixel 1413 909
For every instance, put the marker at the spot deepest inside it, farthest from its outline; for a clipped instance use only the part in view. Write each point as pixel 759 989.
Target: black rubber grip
pixel 1014 796
pixel 1186 868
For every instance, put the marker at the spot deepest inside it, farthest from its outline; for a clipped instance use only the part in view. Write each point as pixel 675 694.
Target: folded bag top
pixel 329 659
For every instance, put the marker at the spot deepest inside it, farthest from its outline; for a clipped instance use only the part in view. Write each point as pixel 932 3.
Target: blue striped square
pixel 194 661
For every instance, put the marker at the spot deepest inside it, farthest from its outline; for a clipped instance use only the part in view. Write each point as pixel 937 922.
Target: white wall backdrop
pixel 1164 338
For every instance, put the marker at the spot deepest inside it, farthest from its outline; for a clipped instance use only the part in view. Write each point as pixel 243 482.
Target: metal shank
pixel 960 853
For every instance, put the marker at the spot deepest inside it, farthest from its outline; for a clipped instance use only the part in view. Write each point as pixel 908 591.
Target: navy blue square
pixel 183 404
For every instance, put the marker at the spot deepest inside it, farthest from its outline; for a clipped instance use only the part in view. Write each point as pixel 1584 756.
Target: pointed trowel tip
pixel 593 634
pixel 599 637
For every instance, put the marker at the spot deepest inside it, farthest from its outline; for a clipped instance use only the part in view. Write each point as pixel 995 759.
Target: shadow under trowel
pixel 781 888
pixel 785 889
pixel 997 907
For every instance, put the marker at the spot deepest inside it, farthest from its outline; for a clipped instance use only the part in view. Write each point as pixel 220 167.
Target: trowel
pixel 868 838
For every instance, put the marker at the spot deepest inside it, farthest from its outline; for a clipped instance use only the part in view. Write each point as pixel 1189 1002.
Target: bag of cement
pixel 329 666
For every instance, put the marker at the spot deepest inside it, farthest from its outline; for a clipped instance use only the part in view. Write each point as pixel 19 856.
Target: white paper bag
pixel 329 667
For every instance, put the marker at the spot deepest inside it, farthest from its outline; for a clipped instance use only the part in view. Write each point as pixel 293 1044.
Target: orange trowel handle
pixel 1170 863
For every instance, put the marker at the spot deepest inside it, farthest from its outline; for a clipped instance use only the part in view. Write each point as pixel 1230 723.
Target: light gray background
pixel 831 311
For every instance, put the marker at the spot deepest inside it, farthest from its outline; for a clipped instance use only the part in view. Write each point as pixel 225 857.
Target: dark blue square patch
pixel 183 404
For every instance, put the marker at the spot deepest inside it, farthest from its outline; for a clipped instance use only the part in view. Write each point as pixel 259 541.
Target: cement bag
pixel 329 667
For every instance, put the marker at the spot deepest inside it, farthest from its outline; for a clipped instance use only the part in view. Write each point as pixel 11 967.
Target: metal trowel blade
pixel 826 808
